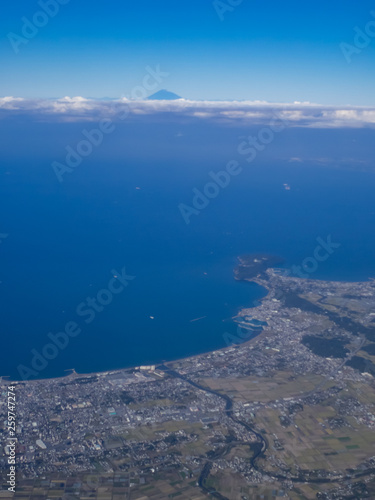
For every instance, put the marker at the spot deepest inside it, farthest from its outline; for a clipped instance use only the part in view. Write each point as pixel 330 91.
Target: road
pixel 229 410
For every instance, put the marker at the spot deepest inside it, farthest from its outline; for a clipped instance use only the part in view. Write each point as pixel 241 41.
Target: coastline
pixel 74 374
pixel 250 273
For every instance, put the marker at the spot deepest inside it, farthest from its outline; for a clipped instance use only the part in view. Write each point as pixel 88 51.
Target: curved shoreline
pixel 75 374
pixel 132 368
pixel 250 273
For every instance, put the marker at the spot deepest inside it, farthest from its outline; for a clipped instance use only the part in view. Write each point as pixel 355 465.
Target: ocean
pixel 120 209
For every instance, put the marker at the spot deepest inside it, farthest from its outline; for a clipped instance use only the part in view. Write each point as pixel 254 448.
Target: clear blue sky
pixel 274 51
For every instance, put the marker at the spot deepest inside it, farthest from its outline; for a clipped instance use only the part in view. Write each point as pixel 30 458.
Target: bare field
pixel 250 389
pixel 311 444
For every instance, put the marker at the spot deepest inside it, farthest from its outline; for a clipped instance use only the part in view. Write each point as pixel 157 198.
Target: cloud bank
pixel 298 114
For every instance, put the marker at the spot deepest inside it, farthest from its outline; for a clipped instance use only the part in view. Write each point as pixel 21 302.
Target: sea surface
pixel 119 208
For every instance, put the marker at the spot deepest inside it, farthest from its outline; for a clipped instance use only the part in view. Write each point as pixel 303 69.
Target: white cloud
pixel 298 114
pixel 9 102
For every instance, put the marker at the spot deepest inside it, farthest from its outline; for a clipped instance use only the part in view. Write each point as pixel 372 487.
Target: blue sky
pixel 273 51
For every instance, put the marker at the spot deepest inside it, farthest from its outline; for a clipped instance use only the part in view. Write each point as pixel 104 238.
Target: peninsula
pixel 288 414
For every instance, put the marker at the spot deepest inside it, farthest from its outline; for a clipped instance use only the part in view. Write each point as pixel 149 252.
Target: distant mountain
pixel 164 95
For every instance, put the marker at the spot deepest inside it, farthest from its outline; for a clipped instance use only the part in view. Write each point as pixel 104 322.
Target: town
pixel 279 413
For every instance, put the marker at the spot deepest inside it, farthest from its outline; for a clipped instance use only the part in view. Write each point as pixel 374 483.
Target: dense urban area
pixel 286 410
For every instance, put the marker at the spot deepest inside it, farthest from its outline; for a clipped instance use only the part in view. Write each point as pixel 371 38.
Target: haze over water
pixel 76 232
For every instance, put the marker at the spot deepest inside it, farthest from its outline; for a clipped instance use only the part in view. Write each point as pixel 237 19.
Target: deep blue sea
pixel 120 208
